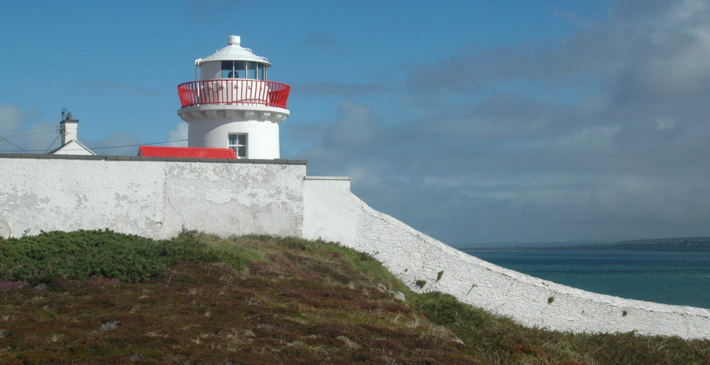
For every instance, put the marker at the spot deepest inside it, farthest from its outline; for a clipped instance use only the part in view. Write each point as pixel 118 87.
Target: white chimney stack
pixel 69 130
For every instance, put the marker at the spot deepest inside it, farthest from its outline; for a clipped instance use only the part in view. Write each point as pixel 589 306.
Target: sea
pixel 670 277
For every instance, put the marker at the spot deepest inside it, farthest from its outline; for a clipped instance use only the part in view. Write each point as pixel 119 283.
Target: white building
pixel 69 129
pixel 232 105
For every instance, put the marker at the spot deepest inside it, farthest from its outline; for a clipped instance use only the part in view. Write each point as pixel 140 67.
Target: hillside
pixel 102 297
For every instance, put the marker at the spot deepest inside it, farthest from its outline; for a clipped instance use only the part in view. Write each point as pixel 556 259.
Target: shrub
pixel 84 254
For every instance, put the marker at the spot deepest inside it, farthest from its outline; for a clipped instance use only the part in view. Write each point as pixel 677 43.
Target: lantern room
pixel 232 105
pixel 233 62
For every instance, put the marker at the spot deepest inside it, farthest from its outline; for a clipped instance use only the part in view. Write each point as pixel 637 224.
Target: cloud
pixel 602 135
pixel 178 136
pixel 21 133
pixel 321 41
pixel 118 143
pixel 670 40
pixel 355 129
pixel 11 118
pixel 644 49
pixel 124 143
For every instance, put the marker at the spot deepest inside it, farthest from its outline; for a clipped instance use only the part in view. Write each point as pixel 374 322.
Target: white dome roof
pixel 233 52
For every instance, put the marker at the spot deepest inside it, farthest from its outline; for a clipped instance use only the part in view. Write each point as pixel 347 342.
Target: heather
pixel 103 297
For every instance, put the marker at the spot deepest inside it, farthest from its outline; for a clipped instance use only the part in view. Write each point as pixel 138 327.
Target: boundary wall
pixel 148 196
pixel 158 197
pixel 332 212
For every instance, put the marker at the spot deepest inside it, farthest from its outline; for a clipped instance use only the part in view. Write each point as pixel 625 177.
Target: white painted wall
pixel 262 136
pixel 69 130
pixel 210 126
pixel 149 197
pixel 74 147
pixel 157 198
pixel 332 212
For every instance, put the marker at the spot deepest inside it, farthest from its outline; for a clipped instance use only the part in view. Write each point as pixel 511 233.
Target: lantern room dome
pixel 233 52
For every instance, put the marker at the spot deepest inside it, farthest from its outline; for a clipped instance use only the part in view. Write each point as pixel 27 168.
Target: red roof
pixel 186 152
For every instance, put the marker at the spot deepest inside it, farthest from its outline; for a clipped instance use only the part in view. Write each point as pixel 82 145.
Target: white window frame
pixel 235 146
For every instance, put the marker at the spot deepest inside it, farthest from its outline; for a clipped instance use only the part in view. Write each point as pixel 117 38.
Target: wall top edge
pixel 139 158
pixel 339 178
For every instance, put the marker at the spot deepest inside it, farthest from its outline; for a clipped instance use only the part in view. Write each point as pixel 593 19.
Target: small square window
pixel 238 142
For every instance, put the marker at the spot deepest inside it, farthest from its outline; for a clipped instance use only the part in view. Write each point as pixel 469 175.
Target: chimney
pixel 69 130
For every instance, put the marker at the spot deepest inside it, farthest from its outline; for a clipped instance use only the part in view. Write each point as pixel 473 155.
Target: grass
pixel 102 297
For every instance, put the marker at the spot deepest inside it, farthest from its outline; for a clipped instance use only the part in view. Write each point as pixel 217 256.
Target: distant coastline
pixel 681 244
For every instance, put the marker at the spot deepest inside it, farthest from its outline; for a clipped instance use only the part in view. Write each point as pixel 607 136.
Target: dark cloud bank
pixel 602 136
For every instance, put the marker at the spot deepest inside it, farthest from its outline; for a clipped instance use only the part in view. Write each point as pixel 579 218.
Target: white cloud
pixel 118 143
pixel 178 136
pixel 354 130
pixel 20 132
pixel 11 118
pixel 623 157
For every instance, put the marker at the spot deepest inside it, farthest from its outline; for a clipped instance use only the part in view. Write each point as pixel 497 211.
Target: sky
pixel 475 122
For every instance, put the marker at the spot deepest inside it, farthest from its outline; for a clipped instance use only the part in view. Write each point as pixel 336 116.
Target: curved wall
pixel 262 137
pixel 414 256
pixel 210 126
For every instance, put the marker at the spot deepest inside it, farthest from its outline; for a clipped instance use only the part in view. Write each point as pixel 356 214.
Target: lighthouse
pixel 231 104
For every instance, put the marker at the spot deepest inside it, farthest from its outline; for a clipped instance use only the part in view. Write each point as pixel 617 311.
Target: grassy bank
pixel 99 296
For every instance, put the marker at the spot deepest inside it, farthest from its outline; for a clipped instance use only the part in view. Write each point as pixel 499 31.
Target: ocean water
pixel 681 278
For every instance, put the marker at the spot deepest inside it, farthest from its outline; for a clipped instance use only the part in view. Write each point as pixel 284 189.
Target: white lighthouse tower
pixel 232 105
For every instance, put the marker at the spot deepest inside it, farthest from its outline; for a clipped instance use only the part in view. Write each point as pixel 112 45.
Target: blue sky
pixel 473 121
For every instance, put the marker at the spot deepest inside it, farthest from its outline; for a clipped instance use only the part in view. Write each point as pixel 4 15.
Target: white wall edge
pixel 413 256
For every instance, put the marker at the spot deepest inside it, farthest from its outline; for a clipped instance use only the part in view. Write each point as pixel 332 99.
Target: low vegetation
pixel 102 297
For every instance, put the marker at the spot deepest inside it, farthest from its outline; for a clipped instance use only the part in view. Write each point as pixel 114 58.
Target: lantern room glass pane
pixel 227 70
pixel 241 68
pixel 251 70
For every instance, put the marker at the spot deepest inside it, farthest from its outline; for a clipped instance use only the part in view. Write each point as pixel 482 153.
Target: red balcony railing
pixel 234 91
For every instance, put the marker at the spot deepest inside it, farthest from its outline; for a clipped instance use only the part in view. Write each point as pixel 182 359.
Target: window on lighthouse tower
pixel 243 70
pixel 238 142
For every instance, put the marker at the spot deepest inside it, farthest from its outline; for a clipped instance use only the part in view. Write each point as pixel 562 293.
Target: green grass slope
pixel 102 297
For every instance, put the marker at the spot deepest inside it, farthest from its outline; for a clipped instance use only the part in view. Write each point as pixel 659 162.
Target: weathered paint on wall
pixel 414 256
pixel 157 198
pixel 150 197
